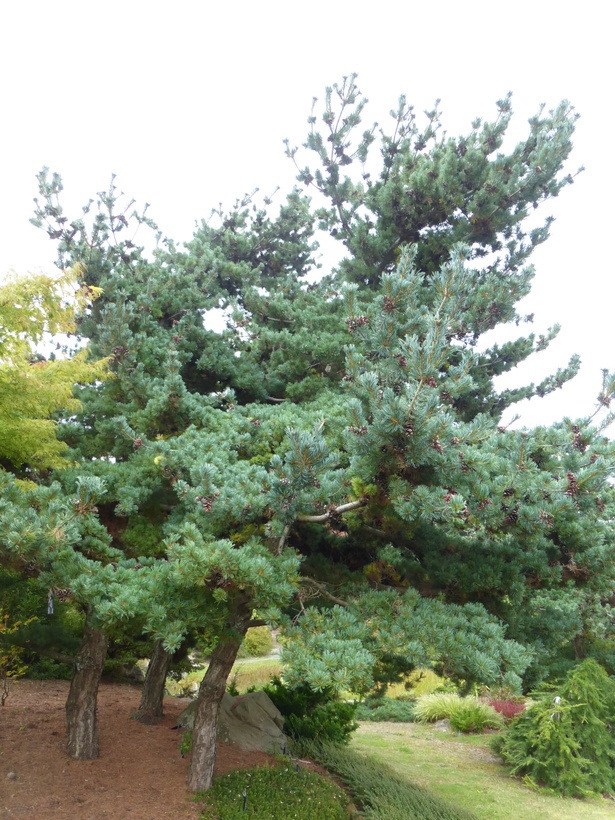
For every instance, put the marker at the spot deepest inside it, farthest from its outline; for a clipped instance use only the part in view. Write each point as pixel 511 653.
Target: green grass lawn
pixel 464 771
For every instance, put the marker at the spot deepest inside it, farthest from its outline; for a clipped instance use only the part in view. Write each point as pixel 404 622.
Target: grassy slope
pixel 247 672
pixel 463 770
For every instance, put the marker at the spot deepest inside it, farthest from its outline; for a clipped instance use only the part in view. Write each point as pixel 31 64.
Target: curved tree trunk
pixel 211 691
pixel 82 730
pixel 150 710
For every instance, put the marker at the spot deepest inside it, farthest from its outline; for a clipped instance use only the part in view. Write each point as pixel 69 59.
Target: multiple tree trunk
pixel 81 724
pixel 81 718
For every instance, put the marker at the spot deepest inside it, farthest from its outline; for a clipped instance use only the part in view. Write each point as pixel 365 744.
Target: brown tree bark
pixel 211 691
pixel 152 695
pixel 82 729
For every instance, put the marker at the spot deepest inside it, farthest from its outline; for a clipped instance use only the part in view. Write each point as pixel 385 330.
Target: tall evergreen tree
pixel 335 453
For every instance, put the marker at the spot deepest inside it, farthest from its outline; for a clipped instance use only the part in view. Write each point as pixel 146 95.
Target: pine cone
pixel 118 352
pixel 206 502
pixel 546 518
pixel 435 443
pixel 573 487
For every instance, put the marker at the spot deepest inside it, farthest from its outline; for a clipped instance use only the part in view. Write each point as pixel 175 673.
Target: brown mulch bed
pixel 139 774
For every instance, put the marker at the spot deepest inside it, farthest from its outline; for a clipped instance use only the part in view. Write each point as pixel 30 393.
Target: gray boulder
pixel 251 721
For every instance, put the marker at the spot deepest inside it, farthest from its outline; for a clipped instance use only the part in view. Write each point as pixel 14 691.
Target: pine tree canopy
pixel 334 456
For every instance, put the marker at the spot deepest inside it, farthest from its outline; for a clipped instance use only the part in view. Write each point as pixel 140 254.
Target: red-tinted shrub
pixel 507 708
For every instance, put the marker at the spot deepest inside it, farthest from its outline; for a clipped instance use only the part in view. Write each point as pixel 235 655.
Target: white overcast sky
pixel 188 104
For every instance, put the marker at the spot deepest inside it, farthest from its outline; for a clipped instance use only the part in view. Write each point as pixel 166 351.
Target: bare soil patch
pixel 140 772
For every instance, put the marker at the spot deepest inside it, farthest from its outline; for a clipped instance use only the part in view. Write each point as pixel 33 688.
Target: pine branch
pixel 324 591
pixel 60 657
pixel 319 519
pixel 283 538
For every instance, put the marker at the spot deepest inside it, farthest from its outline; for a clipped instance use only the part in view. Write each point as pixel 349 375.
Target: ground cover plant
pixel 386 709
pixel 281 793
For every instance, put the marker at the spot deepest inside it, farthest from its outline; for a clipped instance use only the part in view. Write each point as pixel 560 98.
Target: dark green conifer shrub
pixel 386 709
pixel 310 715
pixel 565 742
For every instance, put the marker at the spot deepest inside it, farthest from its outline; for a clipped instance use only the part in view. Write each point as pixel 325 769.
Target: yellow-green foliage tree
pixel 34 308
pixel 33 388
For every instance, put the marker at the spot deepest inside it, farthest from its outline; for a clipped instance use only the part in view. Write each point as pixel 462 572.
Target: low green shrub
pixel 257 642
pixel 382 794
pixel 435 706
pixel 566 742
pixel 469 714
pixel 473 715
pixel 47 669
pixel 386 709
pixel 310 715
pixel 274 794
